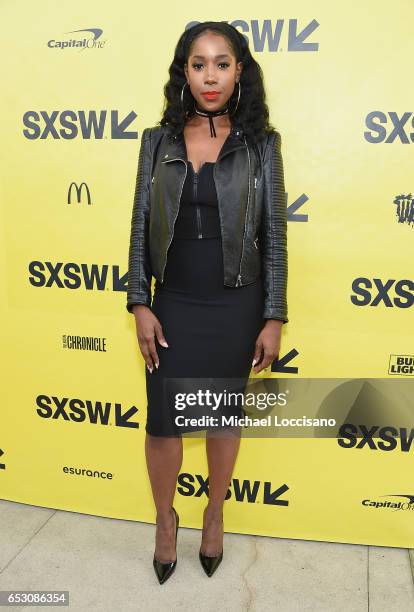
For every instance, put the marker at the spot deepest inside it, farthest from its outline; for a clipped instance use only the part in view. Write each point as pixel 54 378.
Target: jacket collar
pixel 176 148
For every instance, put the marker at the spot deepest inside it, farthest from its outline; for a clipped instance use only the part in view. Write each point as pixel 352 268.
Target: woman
pixel 209 223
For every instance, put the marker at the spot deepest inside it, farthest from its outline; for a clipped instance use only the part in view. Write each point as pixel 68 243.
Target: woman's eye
pixel 225 64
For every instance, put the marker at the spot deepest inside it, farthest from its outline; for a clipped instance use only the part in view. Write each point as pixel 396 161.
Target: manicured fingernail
pixel 150 369
pixel 156 365
pixel 254 362
pixel 163 343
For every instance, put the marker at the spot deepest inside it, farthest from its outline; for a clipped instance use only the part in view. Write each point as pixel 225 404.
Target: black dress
pixel 211 329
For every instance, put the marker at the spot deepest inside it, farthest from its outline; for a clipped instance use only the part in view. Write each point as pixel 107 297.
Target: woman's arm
pixel 139 266
pixel 274 233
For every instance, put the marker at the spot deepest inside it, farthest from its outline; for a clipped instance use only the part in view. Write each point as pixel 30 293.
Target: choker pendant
pixel 210 115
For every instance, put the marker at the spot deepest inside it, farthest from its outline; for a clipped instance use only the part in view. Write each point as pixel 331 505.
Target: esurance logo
pixel 71 275
pixel 249 491
pixel 273 36
pixel 85 411
pixel 387 438
pixel 69 124
pixel 389 127
pixel 89 38
pixel 377 292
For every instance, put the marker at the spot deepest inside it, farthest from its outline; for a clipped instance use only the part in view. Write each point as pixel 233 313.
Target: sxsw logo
pixel 266 35
pixel 389 127
pixel 85 124
pixel 78 410
pixel 388 438
pixel 390 293
pixel 71 275
pixel 251 492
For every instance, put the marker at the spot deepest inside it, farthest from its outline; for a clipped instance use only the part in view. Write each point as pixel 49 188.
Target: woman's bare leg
pixel 221 456
pixel 164 457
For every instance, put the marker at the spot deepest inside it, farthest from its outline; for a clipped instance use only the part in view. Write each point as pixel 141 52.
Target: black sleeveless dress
pixel 211 329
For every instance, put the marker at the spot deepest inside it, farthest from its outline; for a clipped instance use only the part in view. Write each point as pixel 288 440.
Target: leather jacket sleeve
pixel 139 268
pixel 274 233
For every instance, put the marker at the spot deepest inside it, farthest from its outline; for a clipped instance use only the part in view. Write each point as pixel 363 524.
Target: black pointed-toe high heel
pixel 165 570
pixel 210 564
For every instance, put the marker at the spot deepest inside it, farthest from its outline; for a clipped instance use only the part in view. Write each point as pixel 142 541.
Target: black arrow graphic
pixel 271 497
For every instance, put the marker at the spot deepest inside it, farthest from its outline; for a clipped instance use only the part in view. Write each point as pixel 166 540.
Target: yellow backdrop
pixel 80 85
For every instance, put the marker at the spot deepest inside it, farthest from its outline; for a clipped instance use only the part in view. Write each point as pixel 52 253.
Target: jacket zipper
pixel 200 235
pixel 238 283
pixel 257 238
pixel 178 210
pixel 239 278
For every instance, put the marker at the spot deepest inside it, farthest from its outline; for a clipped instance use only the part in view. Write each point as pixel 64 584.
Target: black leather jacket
pixel 250 189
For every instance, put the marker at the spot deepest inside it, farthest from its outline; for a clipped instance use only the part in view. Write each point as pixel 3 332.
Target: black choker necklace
pixel 210 115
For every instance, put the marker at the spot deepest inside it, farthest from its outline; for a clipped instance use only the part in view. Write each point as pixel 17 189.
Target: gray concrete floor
pixel 106 565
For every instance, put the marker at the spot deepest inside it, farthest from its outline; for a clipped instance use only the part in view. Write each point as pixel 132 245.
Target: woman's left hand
pixel 268 341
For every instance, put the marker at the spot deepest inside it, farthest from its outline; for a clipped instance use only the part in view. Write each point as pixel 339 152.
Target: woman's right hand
pixel 148 326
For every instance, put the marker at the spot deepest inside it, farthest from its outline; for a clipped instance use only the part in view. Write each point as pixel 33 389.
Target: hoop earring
pixel 238 99
pixel 182 99
pixel 182 94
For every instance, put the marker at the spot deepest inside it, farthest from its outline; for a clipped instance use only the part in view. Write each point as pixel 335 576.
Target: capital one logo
pixel 83 41
pixel 275 35
pixel 84 124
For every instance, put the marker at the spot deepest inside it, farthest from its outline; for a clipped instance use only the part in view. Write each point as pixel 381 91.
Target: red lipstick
pixel 210 95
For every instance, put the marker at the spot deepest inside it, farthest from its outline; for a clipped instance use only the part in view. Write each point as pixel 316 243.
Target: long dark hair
pixel 252 113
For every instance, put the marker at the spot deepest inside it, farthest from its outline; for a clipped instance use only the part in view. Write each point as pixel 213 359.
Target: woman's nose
pixel 211 76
